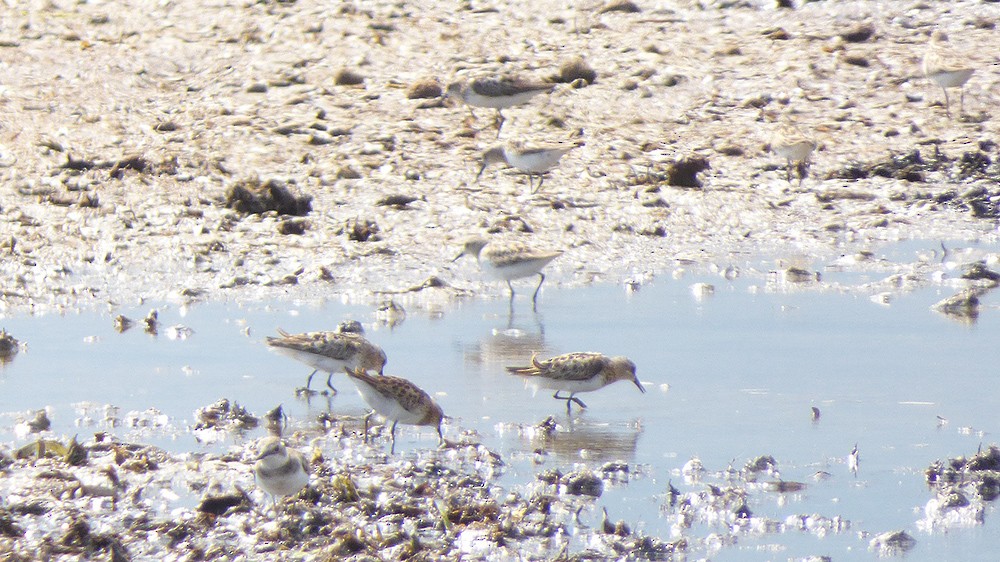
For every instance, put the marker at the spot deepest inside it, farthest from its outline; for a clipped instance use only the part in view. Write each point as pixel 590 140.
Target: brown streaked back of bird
pixel 508 86
pixel 570 367
pixel 511 253
pixel 941 57
pixel 335 345
pixel 408 395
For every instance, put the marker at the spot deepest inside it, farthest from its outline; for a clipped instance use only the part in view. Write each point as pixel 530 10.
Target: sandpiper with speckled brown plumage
pixel 946 68
pixel 534 160
pixel 508 261
pixel 330 352
pixel 397 400
pixel 795 147
pixel 578 372
pixel 497 93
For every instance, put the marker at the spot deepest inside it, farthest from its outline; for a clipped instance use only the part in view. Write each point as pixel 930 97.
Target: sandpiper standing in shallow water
pixel 795 147
pixel 578 372
pixel 508 261
pixel 530 159
pixel 330 352
pixel 397 400
pixel 497 93
pixel 946 69
pixel 280 471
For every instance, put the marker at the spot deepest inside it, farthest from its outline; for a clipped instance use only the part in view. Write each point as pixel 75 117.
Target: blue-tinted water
pixel 728 378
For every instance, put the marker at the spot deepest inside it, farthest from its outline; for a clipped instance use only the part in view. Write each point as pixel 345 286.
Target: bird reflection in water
pixel 579 438
pixel 516 341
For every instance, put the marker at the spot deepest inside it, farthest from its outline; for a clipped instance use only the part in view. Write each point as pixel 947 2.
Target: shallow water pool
pixel 730 375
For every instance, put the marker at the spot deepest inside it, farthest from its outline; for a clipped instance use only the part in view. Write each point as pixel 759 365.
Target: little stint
pixel 578 372
pixel 508 261
pixel 530 159
pixel 497 93
pixel 397 400
pixel 330 352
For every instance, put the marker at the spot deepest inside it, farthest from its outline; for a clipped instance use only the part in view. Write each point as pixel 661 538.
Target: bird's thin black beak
pixel 639 384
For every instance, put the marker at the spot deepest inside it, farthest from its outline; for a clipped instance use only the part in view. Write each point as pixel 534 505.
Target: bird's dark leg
pixel 961 101
pixel 541 178
pixel 947 103
pixel 511 287
pixel 788 172
pixel 803 169
pixel 500 120
pixel 392 436
pixel 310 379
pixel 367 417
pixel 571 398
pixel 440 436
pixel 541 279
pixel 330 386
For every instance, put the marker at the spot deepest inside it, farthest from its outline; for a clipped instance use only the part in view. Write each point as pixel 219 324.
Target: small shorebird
pixel 497 93
pixel 280 471
pixel 530 159
pixel 578 372
pixel 946 69
pixel 508 261
pixel 397 400
pixel 330 352
pixel 795 147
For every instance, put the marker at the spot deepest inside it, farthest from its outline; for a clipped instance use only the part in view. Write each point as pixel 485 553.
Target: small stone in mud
pixel 424 89
pixel 224 504
pixel 583 483
pixel 978 271
pixel 293 226
pixel 893 543
pixel 626 6
pixel 348 77
pixel 858 34
pixel 8 345
pixel 684 172
pixel 398 201
pixel 799 275
pixel 348 173
pixel 964 304
pixel 151 321
pixel 576 69
pixel 253 197
pixel 362 230
pixel 40 422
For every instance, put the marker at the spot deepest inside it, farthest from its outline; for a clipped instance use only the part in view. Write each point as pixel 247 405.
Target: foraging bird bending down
pixel 397 400
pixel 508 261
pixel 578 372
pixel 497 93
pixel 330 352
pixel 530 159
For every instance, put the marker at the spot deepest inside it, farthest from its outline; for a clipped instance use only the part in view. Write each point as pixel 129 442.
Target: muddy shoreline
pixel 120 141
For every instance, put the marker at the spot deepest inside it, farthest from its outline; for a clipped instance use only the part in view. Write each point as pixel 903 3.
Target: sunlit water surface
pixel 729 377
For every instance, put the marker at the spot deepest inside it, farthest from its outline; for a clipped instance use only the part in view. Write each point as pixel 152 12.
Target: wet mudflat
pixel 733 369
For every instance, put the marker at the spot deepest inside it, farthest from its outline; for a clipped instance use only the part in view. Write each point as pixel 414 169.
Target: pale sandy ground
pixel 170 82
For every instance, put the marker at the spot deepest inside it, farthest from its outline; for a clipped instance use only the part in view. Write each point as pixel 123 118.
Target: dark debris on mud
pixel 982 165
